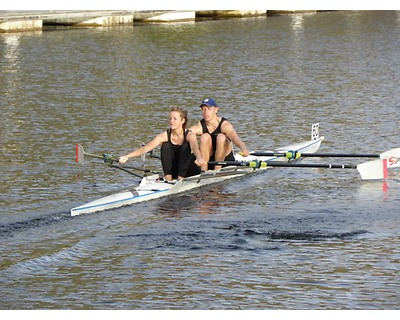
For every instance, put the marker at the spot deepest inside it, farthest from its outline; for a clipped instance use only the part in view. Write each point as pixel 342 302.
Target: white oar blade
pixel 393 162
pixel 376 169
pixel 393 157
pixel 79 154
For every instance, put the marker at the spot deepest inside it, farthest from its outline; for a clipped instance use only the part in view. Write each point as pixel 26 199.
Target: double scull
pixel 152 187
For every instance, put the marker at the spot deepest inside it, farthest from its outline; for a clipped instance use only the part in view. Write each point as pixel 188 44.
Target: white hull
pixel 151 188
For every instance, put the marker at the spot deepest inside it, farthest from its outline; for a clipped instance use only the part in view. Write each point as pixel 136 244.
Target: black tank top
pixel 177 147
pixel 213 134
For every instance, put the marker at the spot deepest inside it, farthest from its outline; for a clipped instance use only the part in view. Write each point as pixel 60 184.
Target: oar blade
pixel 393 157
pixel 79 154
pixel 391 153
pixel 372 170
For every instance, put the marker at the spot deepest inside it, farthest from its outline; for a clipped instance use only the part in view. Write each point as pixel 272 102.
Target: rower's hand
pixel 123 159
pixel 200 162
pixel 245 153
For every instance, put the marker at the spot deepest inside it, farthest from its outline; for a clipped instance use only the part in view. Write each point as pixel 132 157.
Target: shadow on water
pixel 308 235
pixel 231 237
pixel 178 232
pixel 8 229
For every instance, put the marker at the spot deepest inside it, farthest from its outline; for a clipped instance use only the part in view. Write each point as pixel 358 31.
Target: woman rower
pixel 180 154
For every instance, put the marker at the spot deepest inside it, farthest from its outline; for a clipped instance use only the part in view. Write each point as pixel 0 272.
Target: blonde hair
pixel 182 113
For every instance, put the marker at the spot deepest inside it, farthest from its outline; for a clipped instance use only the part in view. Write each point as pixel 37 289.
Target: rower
pixel 216 136
pixel 180 153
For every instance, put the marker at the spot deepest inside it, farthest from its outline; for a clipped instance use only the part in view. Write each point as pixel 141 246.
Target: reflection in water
pixel 11 67
pixel 385 189
pixel 9 91
pixel 206 200
pixel 11 51
pixel 214 199
pixel 377 190
pixel 176 205
pixel 297 22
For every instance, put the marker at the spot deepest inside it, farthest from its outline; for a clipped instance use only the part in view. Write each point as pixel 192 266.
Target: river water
pixel 287 238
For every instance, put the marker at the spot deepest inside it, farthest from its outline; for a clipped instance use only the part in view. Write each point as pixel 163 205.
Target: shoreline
pixel 23 21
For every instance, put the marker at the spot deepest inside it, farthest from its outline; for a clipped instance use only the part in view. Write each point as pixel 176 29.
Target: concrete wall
pixel 27 21
pixel 22 25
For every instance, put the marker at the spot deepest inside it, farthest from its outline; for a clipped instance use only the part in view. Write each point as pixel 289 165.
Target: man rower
pixel 216 136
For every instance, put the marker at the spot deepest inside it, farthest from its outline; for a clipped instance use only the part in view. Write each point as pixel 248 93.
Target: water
pixel 288 238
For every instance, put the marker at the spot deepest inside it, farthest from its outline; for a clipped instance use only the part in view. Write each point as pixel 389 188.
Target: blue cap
pixel 209 102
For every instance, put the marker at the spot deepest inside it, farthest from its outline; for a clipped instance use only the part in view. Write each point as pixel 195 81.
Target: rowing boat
pixel 152 187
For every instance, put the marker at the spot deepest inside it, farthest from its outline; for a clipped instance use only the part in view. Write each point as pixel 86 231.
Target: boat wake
pixel 231 237
pixel 10 228
pixel 314 235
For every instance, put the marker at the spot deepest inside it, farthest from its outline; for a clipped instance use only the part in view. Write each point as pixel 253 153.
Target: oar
pixel 375 169
pixel 151 155
pixel 126 170
pixel 80 155
pixel 107 158
pixel 296 154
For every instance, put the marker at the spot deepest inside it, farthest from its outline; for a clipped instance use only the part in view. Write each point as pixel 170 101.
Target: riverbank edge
pixel 23 21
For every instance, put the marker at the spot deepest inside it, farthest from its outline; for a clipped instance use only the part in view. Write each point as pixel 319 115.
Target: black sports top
pixel 177 146
pixel 213 134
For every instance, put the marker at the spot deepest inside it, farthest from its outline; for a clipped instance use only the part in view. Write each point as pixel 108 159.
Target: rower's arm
pixel 231 133
pixel 197 129
pixel 194 146
pixel 159 139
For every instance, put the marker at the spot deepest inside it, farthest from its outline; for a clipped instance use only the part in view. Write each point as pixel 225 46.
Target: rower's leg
pixel 223 148
pixel 187 167
pixel 205 149
pixel 167 157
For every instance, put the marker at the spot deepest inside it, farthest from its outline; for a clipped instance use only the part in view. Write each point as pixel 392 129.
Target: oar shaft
pixel 106 157
pixel 93 155
pixel 316 155
pixel 371 170
pixel 109 159
pixel 126 170
pixel 258 164
pixel 341 155
pixel 139 169
pixel 309 165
